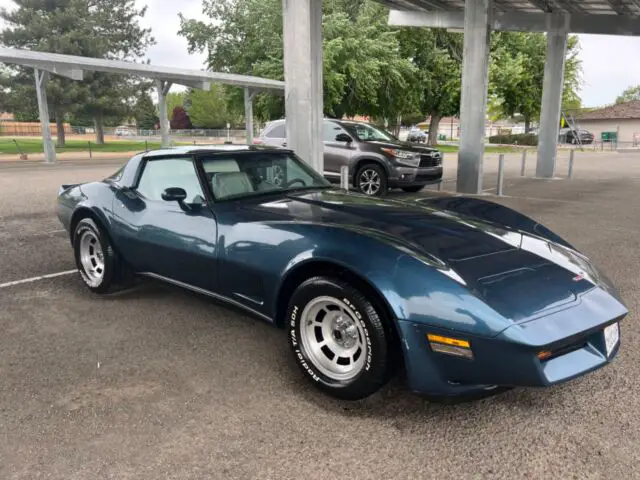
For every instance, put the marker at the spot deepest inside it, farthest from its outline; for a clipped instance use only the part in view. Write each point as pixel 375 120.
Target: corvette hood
pixel 518 275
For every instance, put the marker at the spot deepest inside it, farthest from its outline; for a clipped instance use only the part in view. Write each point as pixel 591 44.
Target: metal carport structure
pixel 476 18
pixel 74 67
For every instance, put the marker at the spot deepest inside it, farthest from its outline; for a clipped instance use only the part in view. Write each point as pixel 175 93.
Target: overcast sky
pixel 609 63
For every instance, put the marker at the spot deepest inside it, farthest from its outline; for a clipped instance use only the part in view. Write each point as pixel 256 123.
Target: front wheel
pixel 371 180
pixel 338 338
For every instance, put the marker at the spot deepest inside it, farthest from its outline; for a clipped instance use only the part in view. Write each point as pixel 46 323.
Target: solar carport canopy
pixel 612 17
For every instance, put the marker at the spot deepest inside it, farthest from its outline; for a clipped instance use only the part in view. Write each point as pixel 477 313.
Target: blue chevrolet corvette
pixel 460 294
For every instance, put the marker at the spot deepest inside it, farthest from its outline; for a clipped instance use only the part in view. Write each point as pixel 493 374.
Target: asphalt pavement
pixel 159 383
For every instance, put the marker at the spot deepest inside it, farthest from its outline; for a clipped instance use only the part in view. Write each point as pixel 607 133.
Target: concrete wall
pixel 627 128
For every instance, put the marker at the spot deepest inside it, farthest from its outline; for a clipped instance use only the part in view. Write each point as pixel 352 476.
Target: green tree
pixel 517 74
pixel 208 109
pixel 629 94
pixel 93 28
pixel 437 55
pixel 363 70
pixel 145 113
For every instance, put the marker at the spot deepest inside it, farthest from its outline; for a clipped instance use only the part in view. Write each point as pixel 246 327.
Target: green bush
pixel 528 139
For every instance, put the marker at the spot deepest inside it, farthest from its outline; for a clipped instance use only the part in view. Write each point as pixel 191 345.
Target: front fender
pixel 416 288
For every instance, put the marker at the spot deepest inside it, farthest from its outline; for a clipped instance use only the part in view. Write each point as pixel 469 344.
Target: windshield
pixel 368 133
pixel 233 175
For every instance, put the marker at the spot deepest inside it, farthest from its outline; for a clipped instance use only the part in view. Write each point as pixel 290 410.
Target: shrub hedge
pixel 528 139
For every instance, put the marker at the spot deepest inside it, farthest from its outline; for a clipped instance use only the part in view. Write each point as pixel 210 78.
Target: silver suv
pixel 377 160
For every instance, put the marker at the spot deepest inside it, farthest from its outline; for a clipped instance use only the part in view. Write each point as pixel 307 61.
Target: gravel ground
pixel 159 383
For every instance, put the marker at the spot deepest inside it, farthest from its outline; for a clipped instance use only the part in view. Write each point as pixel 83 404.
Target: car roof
pixel 199 149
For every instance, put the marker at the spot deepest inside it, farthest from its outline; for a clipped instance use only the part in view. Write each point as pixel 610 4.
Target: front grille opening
pixel 566 349
pixel 427 161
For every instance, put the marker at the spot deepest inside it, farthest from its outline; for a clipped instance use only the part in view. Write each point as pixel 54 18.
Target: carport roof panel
pixel 54 62
pixel 588 7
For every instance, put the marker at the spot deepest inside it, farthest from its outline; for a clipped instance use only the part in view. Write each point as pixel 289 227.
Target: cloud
pixel 171 49
pixel 609 66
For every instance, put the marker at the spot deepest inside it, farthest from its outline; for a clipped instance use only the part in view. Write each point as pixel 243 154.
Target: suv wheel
pixel 371 180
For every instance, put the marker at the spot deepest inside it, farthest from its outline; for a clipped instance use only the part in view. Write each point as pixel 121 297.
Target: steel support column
pixel 303 79
pixel 43 110
pixel 163 89
pixel 473 106
pixel 248 113
pixel 552 98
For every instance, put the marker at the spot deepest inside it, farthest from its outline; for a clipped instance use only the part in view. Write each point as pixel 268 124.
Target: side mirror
pixel 343 137
pixel 174 194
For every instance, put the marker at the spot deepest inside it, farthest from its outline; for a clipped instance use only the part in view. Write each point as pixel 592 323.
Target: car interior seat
pixel 226 184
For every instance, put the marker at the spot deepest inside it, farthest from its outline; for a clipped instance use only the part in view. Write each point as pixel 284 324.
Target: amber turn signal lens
pixel 448 341
pixel 544 354
pixel 450 346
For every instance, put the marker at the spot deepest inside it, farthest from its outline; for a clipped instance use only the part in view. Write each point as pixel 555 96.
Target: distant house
pixel 623 116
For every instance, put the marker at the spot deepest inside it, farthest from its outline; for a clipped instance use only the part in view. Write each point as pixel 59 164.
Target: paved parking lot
pixel 158 383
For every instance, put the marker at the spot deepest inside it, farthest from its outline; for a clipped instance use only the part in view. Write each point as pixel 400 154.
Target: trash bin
pixel 442 137
pixel 609 137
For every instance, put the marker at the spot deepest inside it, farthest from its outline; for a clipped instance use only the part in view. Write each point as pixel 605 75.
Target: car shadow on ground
pixel 394 402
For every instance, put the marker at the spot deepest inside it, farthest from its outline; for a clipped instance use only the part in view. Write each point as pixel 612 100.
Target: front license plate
pixel 611 337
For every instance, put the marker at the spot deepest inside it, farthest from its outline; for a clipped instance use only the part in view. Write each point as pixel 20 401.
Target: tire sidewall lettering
pixel 294 332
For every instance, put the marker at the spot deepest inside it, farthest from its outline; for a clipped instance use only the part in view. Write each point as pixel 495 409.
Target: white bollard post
pixel 571 163
pixel 524 162
pixel 500 174
pixel 344 177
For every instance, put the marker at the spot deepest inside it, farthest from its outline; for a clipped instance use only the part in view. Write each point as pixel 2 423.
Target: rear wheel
pixel 338 338
pixel 100 268
pixel 371 180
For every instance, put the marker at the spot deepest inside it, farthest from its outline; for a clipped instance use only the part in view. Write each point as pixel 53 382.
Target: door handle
pixel 284 144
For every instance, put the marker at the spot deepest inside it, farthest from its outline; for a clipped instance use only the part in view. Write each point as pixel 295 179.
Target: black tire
pixel 115 273
pixel 363 187
pixel 414 189
pixel 377 365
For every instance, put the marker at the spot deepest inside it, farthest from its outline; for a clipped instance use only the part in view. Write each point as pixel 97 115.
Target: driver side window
pixel 331 131
pixel 164 173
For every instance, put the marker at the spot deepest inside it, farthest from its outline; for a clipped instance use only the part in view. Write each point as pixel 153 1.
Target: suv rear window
pixel 279 131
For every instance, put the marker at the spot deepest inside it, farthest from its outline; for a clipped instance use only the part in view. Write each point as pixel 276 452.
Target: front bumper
pixel 408 176
pixel 575 336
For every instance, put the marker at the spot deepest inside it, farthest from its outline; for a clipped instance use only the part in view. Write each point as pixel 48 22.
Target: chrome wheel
pixel 369 181
pixel 333 338
pixel 91 258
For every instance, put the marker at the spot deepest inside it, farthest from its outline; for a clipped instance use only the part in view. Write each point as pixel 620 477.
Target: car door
pixel 336 153
pixel 173 240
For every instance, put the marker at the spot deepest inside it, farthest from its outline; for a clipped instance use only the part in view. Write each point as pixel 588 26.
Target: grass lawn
pixel 34 145
pixel 487 149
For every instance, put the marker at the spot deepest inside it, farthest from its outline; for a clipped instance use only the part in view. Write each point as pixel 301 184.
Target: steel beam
pixel 44 61
pixel 68 72
pixel 542 5
pixel 163 88
pixel 248 113
pixel 43 110
pixel 303 79
pixel 473 104
pixel 524 22
pixel 619 7
pixel 553 84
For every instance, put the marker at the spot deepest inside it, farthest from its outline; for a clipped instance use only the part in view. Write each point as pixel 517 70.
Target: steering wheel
pixel 293 181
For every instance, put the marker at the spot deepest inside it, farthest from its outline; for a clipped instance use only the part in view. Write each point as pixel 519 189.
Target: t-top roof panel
pixel 590 7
